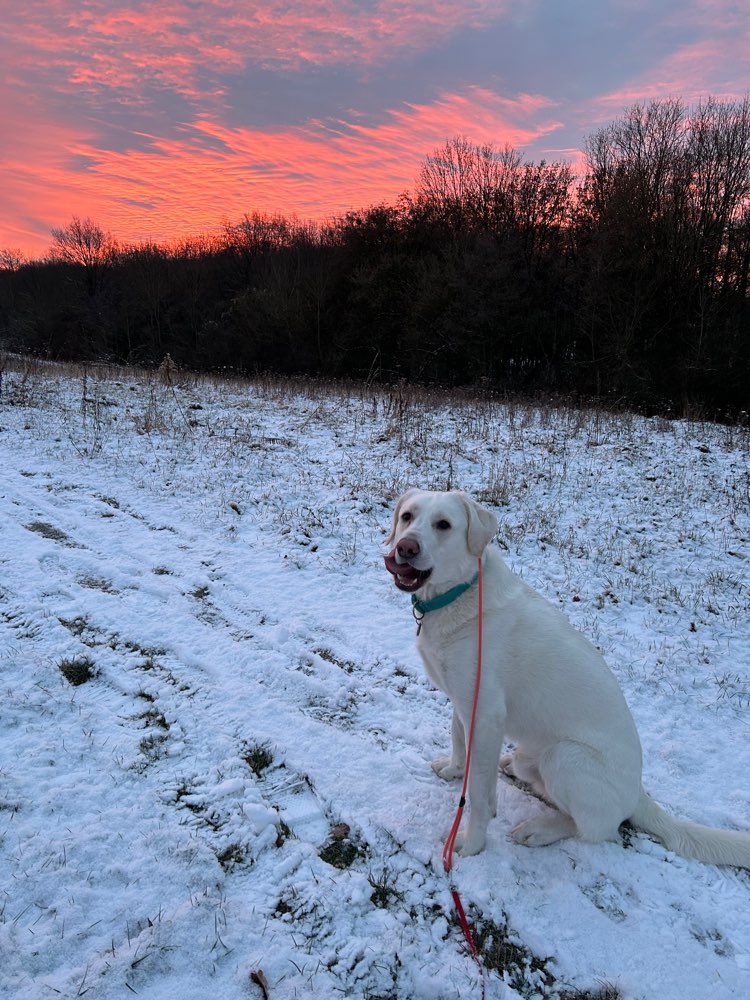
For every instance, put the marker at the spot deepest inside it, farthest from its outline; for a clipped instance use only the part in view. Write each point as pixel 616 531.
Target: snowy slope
pixel 208 558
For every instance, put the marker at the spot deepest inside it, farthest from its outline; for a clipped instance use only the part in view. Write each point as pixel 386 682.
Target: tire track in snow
pixel 217 663
pixel 162 699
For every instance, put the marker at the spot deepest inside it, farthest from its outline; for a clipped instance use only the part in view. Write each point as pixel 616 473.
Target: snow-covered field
pixel 236 800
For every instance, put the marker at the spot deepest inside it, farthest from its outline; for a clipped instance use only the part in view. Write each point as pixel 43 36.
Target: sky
pixel 161 120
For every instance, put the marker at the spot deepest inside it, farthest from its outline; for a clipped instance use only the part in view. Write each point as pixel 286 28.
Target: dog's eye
pixel 406 516
pixel 443 525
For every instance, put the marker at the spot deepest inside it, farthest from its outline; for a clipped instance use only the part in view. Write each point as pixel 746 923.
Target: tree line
pixel 630 283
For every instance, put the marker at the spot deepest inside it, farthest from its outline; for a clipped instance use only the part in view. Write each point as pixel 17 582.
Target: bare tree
pixel 719 157
pixel 643 150
pixel 668 193
pixel 468 185
pixel 11 259
pixel 85 244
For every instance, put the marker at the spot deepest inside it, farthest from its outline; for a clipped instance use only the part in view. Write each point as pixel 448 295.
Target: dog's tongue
pixel 403 570
pixel 405 577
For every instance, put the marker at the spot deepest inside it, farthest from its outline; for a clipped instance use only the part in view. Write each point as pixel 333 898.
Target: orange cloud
pixel 75 73
pixel 189 184
pixel 40 182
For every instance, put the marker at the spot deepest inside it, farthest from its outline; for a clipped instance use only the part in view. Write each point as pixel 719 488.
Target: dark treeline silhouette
pixel 629 284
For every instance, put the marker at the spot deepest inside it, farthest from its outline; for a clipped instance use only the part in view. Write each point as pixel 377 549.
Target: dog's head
pixel 437 537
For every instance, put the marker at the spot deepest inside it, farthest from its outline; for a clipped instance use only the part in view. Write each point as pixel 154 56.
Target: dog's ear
pixel 482 526
pixel 397 514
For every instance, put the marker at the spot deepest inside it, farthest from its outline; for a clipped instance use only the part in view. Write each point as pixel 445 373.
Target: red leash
pixel 449 844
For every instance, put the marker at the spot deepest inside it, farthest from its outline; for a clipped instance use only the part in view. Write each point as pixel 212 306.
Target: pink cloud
pixel 82 58
pixel 189 184
pixel 39 181
pixel 715 65
pixel 110 44
pixel 315 170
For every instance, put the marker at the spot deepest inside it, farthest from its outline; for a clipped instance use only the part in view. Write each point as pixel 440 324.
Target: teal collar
pixel 442 600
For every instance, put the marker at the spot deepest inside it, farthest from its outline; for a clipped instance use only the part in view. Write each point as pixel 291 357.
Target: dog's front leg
pixel 488 741
pixel 455 765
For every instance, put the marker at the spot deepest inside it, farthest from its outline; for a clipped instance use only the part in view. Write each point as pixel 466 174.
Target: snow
pixel 210 553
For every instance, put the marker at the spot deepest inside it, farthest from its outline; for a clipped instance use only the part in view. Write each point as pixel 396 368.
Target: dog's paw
pixel 445 768
pixel 506 764
pixel 470 842
pixel 527 834
pixel 543 830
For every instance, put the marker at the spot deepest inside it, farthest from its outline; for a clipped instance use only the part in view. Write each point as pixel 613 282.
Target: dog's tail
pixel 691 840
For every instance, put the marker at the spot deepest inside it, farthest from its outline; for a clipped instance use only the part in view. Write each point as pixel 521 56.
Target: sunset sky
pixel 163 119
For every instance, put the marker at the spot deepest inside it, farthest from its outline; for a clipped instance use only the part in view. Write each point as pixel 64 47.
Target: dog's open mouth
pixel 405 577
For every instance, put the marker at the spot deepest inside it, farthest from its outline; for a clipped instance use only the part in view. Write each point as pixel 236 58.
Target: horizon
pixel 163 125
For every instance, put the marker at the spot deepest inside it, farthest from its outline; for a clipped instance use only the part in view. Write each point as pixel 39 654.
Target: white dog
pixel 544 687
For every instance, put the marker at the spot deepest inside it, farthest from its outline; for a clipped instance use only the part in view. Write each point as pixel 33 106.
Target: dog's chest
pixel 434 666
pixel 440 663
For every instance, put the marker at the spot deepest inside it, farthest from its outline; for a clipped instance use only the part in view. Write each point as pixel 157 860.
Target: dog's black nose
pixel 407 547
